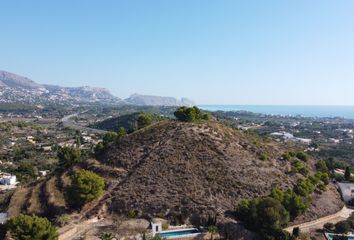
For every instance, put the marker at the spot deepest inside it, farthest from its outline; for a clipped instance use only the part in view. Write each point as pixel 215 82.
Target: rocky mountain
pixel 15 88
pixel 12 80
pixel 147 100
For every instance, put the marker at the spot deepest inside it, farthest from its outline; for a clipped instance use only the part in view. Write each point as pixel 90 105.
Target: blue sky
pixel 215 52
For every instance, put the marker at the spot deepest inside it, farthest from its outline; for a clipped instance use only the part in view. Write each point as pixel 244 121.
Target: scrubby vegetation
pixel 69 156
pixel 190 114
pixel 129 122
pixel 25 227
pixel 268 216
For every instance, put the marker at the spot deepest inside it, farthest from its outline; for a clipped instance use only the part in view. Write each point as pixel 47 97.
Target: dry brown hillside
pixel 178 169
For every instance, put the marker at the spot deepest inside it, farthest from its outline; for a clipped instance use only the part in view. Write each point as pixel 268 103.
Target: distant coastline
pixel 291 110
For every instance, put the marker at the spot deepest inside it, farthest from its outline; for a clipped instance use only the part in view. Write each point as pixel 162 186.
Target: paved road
pixel 67 122
pixel 343 214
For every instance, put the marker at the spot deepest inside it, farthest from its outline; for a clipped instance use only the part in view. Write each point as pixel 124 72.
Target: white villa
pixel 347 191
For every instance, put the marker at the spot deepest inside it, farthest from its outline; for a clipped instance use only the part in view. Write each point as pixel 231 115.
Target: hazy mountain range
pixel 19 89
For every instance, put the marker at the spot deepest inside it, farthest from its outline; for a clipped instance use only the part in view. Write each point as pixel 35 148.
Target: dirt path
pixel 343 214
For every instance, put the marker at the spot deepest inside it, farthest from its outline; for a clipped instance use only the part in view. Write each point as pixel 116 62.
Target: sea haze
pixel 306 111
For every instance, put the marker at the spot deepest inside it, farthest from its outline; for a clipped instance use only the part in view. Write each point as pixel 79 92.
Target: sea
pixel 346 112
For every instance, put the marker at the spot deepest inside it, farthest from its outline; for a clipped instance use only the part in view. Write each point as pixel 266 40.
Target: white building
pixel 347 191
pixel 6 179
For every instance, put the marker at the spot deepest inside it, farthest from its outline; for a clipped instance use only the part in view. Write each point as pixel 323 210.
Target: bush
pixel 69 156
pixel 25 227
pixel 302 156
pixel 109 138
pixel 132 213
pixel 342 227
pixel 298 167
pixel 63 219
pixel 85 186
pixel 329 226
pixel 294 203
pixel 191 114
pixel 304 187
pixel 263 157
pixel 106 236
pixel 286 156
pixel 144 120
pixel 321 166
pixel 323 177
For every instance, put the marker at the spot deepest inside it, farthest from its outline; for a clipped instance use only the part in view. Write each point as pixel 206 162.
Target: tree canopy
pixel 85 187
pixel 190 114
pixel 31 227
pixel 144 120
pixel 69 156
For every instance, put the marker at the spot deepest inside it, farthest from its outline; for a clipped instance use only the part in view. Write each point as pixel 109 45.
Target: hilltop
pixel 183 172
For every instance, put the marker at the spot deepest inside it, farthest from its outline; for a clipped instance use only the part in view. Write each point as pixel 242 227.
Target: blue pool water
pixel 329 237
pixel 178 233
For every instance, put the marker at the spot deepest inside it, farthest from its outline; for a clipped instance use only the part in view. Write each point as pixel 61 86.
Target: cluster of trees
pixel 190 114
pixel 299 155
pixel 268 216
pixel 68 156
pixel 85 187
pixel 25 227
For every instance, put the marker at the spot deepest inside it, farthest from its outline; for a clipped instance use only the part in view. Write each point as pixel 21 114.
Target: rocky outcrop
pixel 147 100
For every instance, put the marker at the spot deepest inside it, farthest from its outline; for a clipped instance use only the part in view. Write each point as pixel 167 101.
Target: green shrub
pixel 266 215
pixel 192 114
pixel 329 226
pixel 26 227
pixel 69 156
pixel 321 166
pixel 85 186
pixel 342 227
pixel 304 187
pixel 144 120
pixel 106 236
pixel 302 156
pixel 286 156
pixel 131 213
pixel 165 226
pixel 264 157
pixel 63 219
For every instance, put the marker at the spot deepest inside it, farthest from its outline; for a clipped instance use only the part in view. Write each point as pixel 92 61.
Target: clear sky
pixel 212 51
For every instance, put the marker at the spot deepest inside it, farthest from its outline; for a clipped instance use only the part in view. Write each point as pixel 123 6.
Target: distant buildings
pixel 290 137
pixel 7 181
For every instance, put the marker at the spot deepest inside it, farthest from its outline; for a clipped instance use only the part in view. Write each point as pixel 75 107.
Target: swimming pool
pixel 179 233
pixel 329 236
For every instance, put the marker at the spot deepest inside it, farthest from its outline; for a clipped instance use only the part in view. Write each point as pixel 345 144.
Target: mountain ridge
pixel 16 88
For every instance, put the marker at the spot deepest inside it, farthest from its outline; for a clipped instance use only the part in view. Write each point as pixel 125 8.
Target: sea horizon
pixel 319 111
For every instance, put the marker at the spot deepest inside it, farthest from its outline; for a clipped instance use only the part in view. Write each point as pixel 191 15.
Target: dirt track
pixel 343 214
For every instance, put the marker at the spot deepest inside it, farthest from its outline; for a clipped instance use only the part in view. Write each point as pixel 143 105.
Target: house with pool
pixel 178 232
